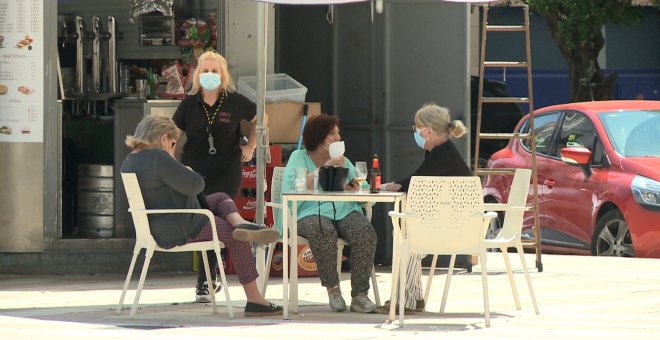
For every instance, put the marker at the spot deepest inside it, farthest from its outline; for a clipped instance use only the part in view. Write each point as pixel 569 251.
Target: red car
pixel 598 167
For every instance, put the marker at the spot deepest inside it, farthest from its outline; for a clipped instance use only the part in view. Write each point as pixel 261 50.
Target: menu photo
pixel 21 71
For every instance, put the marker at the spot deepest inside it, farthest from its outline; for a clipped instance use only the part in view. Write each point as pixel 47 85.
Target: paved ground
pixel 579 298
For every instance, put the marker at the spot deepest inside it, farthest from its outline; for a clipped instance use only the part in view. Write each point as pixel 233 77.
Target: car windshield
pixel 633 133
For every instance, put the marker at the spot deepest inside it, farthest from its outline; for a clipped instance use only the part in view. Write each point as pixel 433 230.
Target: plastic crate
pixel 280 87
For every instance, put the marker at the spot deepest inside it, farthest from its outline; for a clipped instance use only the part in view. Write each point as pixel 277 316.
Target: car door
pixel 568 197
pixel 545 125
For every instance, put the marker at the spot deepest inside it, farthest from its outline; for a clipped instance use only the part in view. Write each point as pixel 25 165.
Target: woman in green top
pixel 323 222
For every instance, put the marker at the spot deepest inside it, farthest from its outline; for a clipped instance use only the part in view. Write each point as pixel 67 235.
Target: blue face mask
pixel 210 81
pixel 418 138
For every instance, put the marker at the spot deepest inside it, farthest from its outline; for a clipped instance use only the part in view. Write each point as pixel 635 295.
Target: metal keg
pixel 95 200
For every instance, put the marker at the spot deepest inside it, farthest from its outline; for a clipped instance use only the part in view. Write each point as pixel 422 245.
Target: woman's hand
pixel 247 152
pixel 339 161
pixel 352 186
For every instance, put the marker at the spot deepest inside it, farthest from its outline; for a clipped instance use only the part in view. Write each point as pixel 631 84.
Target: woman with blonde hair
pixel 210 116
pixel 167 184
pixel 432 131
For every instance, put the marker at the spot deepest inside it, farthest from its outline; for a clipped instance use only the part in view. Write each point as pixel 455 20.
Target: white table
pixel 398 198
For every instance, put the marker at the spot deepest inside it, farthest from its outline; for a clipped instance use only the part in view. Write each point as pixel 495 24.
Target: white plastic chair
pixel 510 234
pixel 144 239
pixel 276 203
pixel 443 216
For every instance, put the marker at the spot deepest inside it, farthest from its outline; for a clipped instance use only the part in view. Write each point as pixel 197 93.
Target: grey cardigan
pixel 167 184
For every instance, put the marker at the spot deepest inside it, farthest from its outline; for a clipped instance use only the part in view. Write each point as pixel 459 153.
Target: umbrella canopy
pixel 311 2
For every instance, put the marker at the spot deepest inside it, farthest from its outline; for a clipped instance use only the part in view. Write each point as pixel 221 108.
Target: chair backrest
pixel 136 207
pixel 450 215
pixel 276 195
pixel 513 217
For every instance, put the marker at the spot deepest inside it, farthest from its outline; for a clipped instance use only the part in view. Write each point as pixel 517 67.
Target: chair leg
pixel 509 272
pixel 396 270
pixel 209 280
pixel 145 268
pixel 450 272
pixel 427 291
pixel 269 262
pixel 484 281
pixel 374 283
pixel 529 281
pixel 403 268
pixel 136 252
pixel 340 256
pixel 223 278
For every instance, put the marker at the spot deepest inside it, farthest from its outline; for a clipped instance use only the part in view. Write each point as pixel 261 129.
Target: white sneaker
pixel 337 302
pixel 362 304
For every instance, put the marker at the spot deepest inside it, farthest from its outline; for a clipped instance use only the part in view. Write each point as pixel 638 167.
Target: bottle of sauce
pixel 374 175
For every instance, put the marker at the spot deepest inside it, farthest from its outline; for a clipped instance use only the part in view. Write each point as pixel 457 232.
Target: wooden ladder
pixel 527 64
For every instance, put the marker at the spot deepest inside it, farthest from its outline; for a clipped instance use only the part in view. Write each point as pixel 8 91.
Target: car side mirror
pixel 577 155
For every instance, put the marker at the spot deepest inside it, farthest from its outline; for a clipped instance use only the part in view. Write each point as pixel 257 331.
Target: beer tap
pixel 111 36
pixel 80 60
pixel 96 54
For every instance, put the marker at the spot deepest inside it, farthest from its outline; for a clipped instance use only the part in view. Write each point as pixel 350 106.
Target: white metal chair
pixel 443 216
pixel 144 239
pixel 276 203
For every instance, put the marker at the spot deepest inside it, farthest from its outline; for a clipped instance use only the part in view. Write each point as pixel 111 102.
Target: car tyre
pixel 612 236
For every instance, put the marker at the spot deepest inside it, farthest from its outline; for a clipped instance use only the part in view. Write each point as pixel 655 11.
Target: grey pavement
pixel 579 297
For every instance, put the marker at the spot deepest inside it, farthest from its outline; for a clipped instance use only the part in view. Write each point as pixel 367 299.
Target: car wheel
pixel 612 236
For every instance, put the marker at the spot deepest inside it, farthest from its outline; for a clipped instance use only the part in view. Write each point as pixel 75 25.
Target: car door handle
pixel 549 183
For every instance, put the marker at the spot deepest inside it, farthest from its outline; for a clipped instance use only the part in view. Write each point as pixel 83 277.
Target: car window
pixel 633 133
pixel 544 128
pixel 575 130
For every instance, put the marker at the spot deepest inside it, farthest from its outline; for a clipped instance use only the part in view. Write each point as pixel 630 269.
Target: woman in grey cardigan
pixel 167 184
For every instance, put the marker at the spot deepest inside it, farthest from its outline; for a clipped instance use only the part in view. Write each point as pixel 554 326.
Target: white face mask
pixel 336 149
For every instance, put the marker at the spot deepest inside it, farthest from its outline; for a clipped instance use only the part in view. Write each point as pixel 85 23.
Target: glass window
pixel 544 128
pixel 576 130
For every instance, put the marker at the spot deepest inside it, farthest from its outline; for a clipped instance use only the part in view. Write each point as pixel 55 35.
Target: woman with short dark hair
pixel 323 222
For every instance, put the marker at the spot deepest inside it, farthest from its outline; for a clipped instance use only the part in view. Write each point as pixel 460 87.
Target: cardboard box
pixel 304 259
pixel 284 120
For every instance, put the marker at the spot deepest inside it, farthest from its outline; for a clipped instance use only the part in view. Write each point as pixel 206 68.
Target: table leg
pixel 285 259
pixel 396 241
pixel 293 286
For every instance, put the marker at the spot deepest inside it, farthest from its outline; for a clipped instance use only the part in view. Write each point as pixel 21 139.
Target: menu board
pixel 21 70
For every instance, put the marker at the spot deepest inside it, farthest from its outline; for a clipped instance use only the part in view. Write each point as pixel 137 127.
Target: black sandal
pixel 255 309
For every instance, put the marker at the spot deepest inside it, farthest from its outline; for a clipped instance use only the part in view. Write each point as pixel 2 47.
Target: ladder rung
pixel 505 100
pixel 498 171
pixel 505 28
pixel 504 135
pixel 520 64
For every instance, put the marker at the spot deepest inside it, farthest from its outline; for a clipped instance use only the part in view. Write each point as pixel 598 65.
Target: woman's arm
pixel 178 176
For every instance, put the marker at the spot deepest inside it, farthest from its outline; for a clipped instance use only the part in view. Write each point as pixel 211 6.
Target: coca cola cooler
pixel 246 201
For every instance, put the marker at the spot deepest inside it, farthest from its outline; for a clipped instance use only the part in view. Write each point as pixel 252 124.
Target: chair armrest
pixel 274 205
pixel 489 214
pixel 495 206
pixel 402 214
pixel 205 212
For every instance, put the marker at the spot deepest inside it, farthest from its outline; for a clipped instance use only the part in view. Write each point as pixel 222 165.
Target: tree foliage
pixel 576 28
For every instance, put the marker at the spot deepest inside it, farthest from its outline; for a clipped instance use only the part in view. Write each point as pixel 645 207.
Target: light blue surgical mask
pixel 210 81
pixel 418 138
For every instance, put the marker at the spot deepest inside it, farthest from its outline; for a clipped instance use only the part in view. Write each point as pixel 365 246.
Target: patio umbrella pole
pixel 262 142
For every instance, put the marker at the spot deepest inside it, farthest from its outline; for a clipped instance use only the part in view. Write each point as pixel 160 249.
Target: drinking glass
pixel 300 179
pixel 361 173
